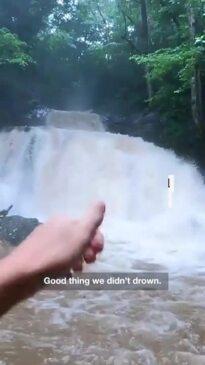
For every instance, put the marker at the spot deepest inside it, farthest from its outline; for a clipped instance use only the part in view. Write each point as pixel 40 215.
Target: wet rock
pixel 15 229
pixel 37 116
pixel 147 125
pixel 5 249
pixel 5 212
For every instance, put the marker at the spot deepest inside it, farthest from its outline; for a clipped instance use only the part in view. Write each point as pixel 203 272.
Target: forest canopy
pixel 116 57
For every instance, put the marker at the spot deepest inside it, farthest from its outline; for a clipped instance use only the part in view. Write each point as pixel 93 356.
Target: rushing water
pixel 49 170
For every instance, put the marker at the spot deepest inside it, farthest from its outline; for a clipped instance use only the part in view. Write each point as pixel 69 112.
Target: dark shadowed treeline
pixel 116 57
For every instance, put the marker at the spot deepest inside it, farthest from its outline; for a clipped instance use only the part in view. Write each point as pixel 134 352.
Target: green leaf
pixel 12 49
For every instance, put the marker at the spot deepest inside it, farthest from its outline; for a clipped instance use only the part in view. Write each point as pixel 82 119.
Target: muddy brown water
pixel 108 328
pixel 130 175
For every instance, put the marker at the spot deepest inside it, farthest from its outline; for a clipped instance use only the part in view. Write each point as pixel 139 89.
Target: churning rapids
pixel 47 171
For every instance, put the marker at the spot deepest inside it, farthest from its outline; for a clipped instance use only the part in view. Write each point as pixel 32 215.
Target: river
pixel 47 170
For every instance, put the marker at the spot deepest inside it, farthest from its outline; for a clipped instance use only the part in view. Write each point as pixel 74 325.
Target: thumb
pixel 94 218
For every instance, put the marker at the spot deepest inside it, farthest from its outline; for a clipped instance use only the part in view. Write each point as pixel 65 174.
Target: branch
pixel 125 36
pixel 101 14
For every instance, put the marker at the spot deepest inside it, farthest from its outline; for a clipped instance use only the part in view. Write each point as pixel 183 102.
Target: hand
pixel 55 247
pixel 62 244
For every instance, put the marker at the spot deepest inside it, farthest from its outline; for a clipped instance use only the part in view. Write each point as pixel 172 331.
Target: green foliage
pixel 102 55
pixel 13 50
pixel 180 60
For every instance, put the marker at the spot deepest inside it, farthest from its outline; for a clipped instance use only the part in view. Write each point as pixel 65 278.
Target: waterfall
pixel 48 170
pixel 75 120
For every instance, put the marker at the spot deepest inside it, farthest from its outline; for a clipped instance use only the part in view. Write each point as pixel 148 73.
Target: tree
pixel 117 57
pixel 196 87
pixel 14 61
pixel 176 70
pixel 12 50
pixel 146 44
pixel 25 17
pixel 20 23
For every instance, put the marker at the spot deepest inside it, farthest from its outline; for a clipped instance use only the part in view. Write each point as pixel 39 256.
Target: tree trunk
pixel 196 89
pixel 146 43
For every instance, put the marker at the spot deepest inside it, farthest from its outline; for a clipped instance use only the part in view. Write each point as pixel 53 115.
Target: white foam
pixel 47 171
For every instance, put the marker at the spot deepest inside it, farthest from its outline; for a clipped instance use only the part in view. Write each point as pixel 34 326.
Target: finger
pixel 78 265
pixel 89 256
pixel 97 243
pixel 93 219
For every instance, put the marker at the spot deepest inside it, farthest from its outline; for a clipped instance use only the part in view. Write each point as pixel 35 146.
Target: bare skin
pixel 56 247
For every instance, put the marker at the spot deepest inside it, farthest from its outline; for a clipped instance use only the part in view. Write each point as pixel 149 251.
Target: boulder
pixel 147 125
pixel 14 229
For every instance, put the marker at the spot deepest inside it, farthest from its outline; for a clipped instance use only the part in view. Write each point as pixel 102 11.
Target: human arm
pixel 54 247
